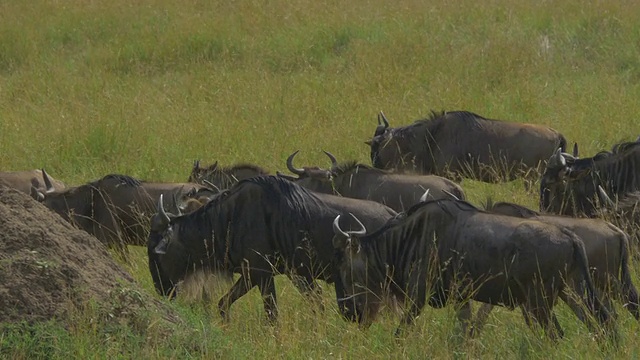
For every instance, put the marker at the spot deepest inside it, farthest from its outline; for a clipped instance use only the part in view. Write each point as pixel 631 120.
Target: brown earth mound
pixel 49 269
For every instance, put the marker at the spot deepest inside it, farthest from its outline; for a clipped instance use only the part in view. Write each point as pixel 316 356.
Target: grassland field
pixel 89 88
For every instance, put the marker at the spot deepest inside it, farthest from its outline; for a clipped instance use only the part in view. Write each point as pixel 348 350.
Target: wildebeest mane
pixel 354 165
pixel 122 179
pixel 522 211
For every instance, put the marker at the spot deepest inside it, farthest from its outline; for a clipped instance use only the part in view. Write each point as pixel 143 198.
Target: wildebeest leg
pixel 417 298
pixel 464 314
pixel 267 288
pixel 545 317
pixel 241 287
pixel 481 319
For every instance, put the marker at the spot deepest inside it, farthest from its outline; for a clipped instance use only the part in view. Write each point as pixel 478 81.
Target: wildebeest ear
pixel 161 248
pixel 368 142
pixel 575 150
pixel 36 194
pixel 340 242
pixel 575 175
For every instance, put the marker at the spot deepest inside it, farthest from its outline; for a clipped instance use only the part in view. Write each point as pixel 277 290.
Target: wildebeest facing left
pixel 464 144
pixel 223 177
pixel 24 180
pixel 351 179
pixel 449 250
pixel 607 249
pixel 569 186
pixel 116 208
pixel 260 227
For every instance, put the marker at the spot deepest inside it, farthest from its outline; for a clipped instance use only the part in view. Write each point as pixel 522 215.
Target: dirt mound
pixel 49 269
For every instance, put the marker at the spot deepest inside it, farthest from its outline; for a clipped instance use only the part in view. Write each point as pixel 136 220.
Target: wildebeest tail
pixel 593 301
pixel 628 289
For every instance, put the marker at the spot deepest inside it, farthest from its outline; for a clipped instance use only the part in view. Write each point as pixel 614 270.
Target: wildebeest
pixel 450 250
pixel 116 208
pixel 24 180
pixel 607 249
pixel 260 227
pixel 354 180
pixel 569 186
pixel 464 144
pixel 223 178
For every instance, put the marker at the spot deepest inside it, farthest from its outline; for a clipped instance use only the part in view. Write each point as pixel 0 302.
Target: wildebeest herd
pixel 399 229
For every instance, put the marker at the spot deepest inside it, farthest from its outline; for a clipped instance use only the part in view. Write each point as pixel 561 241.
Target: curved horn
pixel 384 119
pixel 450 194
pixel 178 207
pixel 334 162
pixel 47 182
pixel 604 198
pixel 557 160
pixel 213 167
pixel 423 198
pixel 211 185
pixel 163 214
pixel 290 164
pixel 196 164
pixel 362 231
pixel 336 227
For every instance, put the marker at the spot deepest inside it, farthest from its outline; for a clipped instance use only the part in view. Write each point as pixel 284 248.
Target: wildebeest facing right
pixel 464 144
pixel 351 179
pixel 260 227
pixel 449 250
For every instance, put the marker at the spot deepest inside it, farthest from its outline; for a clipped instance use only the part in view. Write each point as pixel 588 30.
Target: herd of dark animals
pixel 401 229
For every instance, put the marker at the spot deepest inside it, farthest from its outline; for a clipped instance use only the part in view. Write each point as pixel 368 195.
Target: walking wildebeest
pixel 607 249
pixel 450 250
pixel 116 208
pixel 569 186
pixel 24 180
pixel 354 180
pixel 223 178
pixel 260 227
pixel 464 144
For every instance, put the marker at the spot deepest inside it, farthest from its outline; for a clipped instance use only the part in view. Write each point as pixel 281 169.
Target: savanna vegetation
pixel 89 88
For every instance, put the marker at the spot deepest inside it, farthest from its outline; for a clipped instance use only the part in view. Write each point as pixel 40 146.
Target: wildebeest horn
pixel 423 198
pixel 334 162
pixel 290 164
pixel 196 164
pixel 211 185
pixel 213 167
pixel 604 198
pixel 163 214
pixel 557 160
pixel 362 231
pixel 336 227
pixel 384 120
pixel 450 194
pixel 638 139
pixel 47 182
pixel 575 150
pixel 175 201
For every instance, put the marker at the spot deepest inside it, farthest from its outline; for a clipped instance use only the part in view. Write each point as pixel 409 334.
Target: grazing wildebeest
pixel 354 180
pixel 223 178
pixel 24 180
pixel 116 208
pixel 607 249
pixel 450 250
pixel 569 186
pixel 464 144
pixel 260 227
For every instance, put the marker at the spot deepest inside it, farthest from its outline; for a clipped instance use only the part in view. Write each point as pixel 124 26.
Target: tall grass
pixel 144 88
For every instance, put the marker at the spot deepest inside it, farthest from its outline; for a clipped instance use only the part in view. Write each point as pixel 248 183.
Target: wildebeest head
pixel 160 239
pixel 221 178
pixel 310 172
pixel 352 270
pixel 380 141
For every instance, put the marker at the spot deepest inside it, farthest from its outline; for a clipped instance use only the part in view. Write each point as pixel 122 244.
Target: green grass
pixel 144 88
